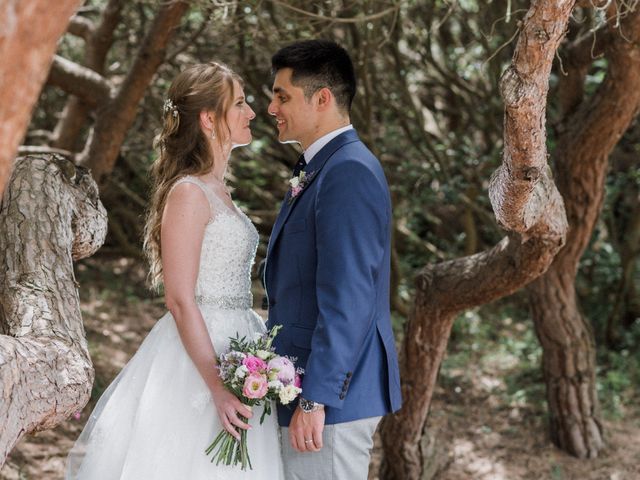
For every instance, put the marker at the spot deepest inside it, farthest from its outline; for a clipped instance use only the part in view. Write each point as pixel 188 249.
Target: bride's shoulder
pixel 187 180
pixel 190 193
pixel 187 192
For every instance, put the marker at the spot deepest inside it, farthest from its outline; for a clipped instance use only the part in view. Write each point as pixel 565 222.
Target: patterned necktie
pixel 299 166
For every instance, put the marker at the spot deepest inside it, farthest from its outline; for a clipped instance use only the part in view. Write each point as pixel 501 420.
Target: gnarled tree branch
pixel 50 215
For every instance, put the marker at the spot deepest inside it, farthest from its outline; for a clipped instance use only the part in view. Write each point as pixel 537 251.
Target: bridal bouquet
pixel 253 372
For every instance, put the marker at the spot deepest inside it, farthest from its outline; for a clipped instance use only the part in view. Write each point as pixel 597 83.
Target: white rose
pixel 263 354
pixel 294 182
pixel 275 385
pixel 241 371
pixel 288 394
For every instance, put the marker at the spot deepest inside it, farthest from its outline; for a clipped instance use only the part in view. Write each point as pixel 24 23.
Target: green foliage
pixel 618 377
pixel 498 342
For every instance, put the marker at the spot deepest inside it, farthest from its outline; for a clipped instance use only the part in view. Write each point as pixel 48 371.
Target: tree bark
pixel 589 136
pixel 26 54
pixel 50 215
pixel 526 203
pixel 116 117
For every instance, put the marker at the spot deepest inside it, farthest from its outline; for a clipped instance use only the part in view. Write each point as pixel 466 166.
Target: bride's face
pixel 239 116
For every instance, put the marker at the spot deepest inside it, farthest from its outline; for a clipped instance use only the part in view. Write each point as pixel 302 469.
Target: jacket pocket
pixel 301 336
pixel 295 226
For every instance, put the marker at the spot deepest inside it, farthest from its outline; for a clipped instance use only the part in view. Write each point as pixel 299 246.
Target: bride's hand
pixel 229 407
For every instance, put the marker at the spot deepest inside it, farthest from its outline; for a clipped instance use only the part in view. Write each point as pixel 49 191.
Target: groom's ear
pixel 206 120
pixel 324 98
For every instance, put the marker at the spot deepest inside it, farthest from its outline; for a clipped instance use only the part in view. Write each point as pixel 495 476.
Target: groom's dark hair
pixel 317 64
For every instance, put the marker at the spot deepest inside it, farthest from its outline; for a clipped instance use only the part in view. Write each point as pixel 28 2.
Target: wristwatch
pixel 308 406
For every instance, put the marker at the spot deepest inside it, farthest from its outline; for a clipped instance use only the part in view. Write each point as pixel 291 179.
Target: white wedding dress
pixel 156 419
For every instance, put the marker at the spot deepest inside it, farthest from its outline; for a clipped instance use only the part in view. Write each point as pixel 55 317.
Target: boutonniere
pixel 298 184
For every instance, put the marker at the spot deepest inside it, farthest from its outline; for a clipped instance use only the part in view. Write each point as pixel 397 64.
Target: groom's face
pixel 295 116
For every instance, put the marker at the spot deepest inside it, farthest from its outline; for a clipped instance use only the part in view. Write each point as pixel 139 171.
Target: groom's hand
pixel 305 430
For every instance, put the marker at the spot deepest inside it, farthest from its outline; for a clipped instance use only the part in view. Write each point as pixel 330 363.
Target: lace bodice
pixel 228 251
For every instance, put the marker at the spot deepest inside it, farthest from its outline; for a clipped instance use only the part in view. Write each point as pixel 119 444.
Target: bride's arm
pixel 184 220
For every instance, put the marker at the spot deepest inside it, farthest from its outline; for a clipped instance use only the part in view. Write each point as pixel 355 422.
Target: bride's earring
pixel 213 134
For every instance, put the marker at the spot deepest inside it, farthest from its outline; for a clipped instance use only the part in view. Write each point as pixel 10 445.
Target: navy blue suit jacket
pixel 327 280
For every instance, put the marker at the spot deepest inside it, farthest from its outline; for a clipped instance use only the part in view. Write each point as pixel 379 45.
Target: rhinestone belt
pixel 226 302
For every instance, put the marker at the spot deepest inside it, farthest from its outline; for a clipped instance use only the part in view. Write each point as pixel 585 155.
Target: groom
pixel 327 270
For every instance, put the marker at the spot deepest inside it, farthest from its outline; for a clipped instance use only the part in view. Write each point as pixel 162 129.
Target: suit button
pixel 341 396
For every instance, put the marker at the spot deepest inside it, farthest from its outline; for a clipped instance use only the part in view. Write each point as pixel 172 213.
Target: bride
pixel 168 403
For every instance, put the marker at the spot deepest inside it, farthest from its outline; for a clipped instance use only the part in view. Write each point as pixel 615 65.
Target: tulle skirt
pixel 156 419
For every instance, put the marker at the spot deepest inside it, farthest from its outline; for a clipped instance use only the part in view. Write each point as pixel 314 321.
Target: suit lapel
pixel 313 168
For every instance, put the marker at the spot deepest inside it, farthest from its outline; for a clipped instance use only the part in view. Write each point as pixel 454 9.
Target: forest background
pixel 537 373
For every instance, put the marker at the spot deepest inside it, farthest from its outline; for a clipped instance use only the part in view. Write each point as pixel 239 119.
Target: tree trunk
pixel 99 39
pixel 590 132
pixel 568 364
pixel 29 32
pixel 116 117
pixel 50 215
pixel 525 202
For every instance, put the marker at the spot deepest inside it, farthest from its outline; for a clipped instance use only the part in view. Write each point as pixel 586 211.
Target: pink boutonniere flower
pixel 298 184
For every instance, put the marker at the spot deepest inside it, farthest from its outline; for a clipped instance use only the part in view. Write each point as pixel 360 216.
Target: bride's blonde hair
pixel 182 146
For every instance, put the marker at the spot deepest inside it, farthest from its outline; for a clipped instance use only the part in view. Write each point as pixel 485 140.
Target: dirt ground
pixel 477 435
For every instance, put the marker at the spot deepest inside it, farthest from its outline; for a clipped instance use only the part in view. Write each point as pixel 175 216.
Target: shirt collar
pixel 316 146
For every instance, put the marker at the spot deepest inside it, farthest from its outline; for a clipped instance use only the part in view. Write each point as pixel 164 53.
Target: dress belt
pixel 226 302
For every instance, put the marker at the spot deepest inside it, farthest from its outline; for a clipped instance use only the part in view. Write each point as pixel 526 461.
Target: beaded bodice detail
pixel 228 251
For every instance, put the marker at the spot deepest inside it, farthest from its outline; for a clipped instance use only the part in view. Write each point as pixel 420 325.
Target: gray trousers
pixel 344 456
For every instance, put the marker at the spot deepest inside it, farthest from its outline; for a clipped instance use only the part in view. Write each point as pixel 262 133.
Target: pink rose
pixel 255 386
pixel 254 364
pixel 297 382
pixel 295 191
pixel 284 367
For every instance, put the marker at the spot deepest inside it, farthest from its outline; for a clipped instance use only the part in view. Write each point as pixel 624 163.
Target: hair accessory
pixel 169 106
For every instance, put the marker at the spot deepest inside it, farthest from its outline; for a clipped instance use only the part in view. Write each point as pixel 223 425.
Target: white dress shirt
pixel 316 146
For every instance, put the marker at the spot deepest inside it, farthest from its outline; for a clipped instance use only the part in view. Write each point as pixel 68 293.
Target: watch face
pixel 306 405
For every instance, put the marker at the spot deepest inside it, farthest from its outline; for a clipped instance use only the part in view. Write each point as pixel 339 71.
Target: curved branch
pixel 593 130
pixel 81 27
pixel 102 38
pixel 80 81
